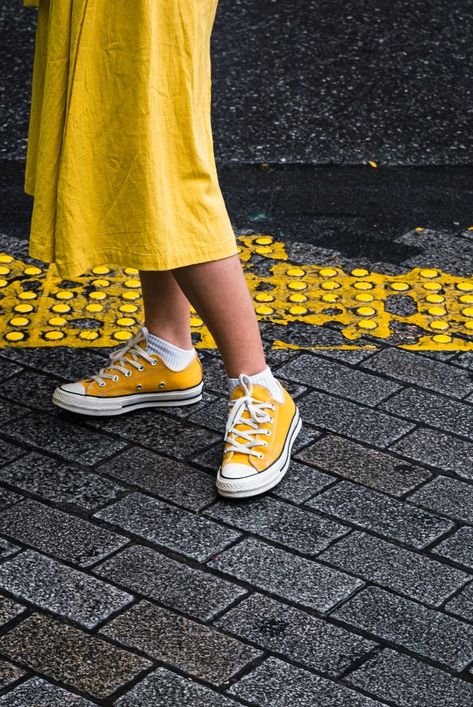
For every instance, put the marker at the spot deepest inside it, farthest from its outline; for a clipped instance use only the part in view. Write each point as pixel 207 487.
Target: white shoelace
pixel 257 416
pixel 127 355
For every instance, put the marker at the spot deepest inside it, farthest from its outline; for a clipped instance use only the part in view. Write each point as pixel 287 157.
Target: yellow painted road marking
pixel 104 306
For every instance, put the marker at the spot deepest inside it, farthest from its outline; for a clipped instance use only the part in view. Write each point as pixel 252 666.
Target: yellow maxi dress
pixel 120 156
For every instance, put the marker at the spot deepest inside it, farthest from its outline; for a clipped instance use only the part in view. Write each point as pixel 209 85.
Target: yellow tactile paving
pixel 104 306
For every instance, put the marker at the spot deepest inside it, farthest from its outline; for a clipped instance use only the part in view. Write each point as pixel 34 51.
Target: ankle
pixel 264 378
pixel 180 339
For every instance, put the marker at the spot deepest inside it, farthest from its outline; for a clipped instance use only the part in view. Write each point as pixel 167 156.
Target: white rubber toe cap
pixel 237 471
pixel 76 388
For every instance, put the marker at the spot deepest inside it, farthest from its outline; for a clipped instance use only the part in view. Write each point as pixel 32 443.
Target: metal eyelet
pixel 141 368
pixel 271 419
pixel 128 374
pixel 139 386
pixel 115 378
pixel 101 385
pixel 260 455
pixel 154 363
pixel 161 385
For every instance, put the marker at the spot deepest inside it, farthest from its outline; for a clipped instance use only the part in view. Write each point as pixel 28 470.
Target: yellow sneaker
pixel 133 379
pixel 259 435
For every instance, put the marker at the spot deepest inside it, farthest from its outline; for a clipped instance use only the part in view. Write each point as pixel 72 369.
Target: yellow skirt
pixel 120 154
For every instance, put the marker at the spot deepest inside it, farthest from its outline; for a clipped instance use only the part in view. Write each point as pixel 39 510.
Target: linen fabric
pixel 120 156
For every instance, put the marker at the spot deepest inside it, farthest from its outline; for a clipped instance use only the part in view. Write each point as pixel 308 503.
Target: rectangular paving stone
pixel 8 498
pixel 9 413
pixel 8 368
pixel 31 389
pixel 57 533
pixel 375 511
pixel 277 684
pixel 191 647
pixel 71 656
pixel 427 632
pixel 168 526
pixel 458 547
pixel 54 434
pixel 289 576
pixel 279 628
pixel 60 483
pixel 336 378
pixel 369 467
pixel 64 361
pixel 162 688
pixel 407 682
pixel 446 496
pixel 395 568
pixel 9 674
pixel 433 410
pixel 9 452
pixel 40 693
pixel 285 524
pixel 160 433
pixel 186 589
pixel 9 610
pixel 60 589
pixel 7 549
pixel 301 482
pixel 462 604
pixel 352 420
pixel 438 449
pixel 172 480
pixel 418 370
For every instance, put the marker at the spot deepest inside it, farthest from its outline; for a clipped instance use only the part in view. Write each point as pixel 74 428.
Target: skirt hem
pixel 145 261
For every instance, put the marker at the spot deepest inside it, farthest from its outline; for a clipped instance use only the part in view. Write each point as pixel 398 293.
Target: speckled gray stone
pixel 277 684
pixel 409 683
pixel 59 534
pixel 289 576
pixel 147 572
pixel 438 449
pixel 9 412
pixel 409 367
pixel 162 688
pixel 65 362
pixel 8 498
pixel 352 420
pixel 7 549
pixel 333 377
pixel 293 633
pixel 168 526
pixel 395 568
pixel 8 368
pixel 192 647
pixel 56 435
pixel 168 478
pixel 40 693
pixel 442 638
pixel 31 389
pixel 60 589
pixel 9 673
pixel 462 604
pixel 9 610
pixel 433 410
pixel 375 511
pixel 272 519
pixel 369 467
pixel 9 452
pixel 458 547
pixel 301 482
pixel 87 663
pixel 446 496
pixel 60 483
pixel 159 432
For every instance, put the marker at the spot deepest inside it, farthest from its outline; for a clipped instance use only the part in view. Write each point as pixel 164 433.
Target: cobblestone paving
pixel 125 581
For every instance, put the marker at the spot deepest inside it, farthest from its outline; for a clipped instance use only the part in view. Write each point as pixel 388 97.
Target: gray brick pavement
pixel 127 581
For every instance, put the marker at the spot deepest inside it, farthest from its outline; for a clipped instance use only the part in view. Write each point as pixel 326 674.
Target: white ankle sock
pixel 266 379
pixel 175 358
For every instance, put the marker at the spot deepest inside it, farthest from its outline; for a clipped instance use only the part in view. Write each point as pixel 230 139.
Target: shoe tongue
pixel 258 392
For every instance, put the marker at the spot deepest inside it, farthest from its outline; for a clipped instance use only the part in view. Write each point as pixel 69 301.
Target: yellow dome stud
pixel 19 321
pixel 14 336
pixel 197 322
pixel 94 307
pixel 330 285
pixel 101 270
pixel 297 309
pixel 429 272
pixel 23 308
pixel 466 299
pixel 468 324
pixel 4 270
pixel 399 286
pixel 64 294
pixel 373 164
pixel 465 285
pixel 126 321
pixel 57 321
pixel 130 271
pixel 297 285
pixel 442 338
pixel 6 258
pixel 132 284
pixel 3 282
pixel 330 298
pixel 298 297
pixel 359 272
pixel 367 324
pixel 131 295
pixel 439 324
pixel 363 285
pixel 100 283
pixel 364 297
pixel 98 295
pixel 295 272
pixel 61 308
pixel 366 311
pixel 437 311
pixel 54 335
pixel 467 311
pixel 88 335
pixel 263 250
pixel 128 308
pixel 435 299
pixel 27 294
pixel 264 240
pixel 432 286
pixel 32 270
pixel 264 310
pixel 122 335
pixel 264 297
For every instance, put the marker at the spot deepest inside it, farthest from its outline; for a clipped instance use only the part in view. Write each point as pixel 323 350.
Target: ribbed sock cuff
pixel 264 378
pixel 175 358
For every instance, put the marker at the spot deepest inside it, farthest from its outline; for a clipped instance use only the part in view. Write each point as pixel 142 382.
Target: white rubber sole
pixel 264 480
pixel 119 405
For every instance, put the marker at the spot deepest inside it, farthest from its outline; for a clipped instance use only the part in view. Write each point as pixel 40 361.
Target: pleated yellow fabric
pixel 120 156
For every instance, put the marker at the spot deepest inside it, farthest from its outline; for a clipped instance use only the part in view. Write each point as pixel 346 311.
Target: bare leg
pixel 219 293
pixel 167 310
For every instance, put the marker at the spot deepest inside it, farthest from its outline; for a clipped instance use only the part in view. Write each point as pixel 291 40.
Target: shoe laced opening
pixel 127 355
pixel 256 416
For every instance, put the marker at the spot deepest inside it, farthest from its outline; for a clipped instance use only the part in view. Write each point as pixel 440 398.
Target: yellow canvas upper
pixel 153 378
pixel 282 416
